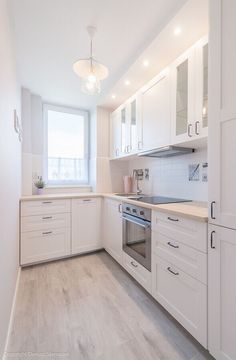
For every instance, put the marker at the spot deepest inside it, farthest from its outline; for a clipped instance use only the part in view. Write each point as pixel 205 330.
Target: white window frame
pixel 67 110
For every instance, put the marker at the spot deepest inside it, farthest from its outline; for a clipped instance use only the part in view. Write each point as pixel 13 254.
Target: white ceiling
pixel 50 35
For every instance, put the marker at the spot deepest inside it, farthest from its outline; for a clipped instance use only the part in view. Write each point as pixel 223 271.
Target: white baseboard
pixel 12 314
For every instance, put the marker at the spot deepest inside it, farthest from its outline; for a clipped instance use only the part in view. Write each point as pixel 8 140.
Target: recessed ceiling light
pixel 146 63
pixel 127 82
pixel 113 96
pixel 177 31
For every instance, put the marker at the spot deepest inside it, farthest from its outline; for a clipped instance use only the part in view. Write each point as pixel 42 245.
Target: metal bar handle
pixel 212 210
pixel 46 202
pixel 172 245
pixel 189 131
pixel 46 217
pixel 120 208
pixel 212 239
pixel 145 226
pixel 197 123
pixel 133 264
pixel 171 219
pixel 87 200
pixel 47 232
pixel 171 271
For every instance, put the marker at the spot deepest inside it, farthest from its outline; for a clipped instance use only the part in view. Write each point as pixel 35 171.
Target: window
pixel 66 146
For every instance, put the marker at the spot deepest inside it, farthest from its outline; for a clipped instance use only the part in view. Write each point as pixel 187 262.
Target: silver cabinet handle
pixel 189 130
pixel 87 200
pixel 172 219
pixel 133 264
pixel 120 208
pixel 46 202
pixel 212 210
pixel 172 245
pixel 171 271
pixel 197 123
pixel 46 217
pixel 140 145
pixel 47 233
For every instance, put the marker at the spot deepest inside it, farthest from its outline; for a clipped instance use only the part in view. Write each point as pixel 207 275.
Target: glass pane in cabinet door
pixel 123 130
pixel 133 129
pixel 205 87
pixel 182 98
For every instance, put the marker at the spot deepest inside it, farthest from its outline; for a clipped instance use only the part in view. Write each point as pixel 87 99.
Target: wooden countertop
pixel 194 210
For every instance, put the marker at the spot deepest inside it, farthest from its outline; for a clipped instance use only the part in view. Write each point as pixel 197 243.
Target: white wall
pixel 169 176
pixel 10 179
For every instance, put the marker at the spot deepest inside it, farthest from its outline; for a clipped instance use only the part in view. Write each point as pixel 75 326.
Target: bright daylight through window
pixel 66 146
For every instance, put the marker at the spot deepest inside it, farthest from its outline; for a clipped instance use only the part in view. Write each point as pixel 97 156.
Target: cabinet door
pixel 112 229
pixel 183 97
pixel 222 113
pixel 156 114
pixel 182 296
pixel 115 134
pixel 134 125
pixel 86 225
pixel 222 292
pixel 200 126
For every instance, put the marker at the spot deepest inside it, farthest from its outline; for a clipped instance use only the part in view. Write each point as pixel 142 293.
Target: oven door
pixel 137 239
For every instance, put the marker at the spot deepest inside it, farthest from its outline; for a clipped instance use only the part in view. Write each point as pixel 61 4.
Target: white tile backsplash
pixel 170 177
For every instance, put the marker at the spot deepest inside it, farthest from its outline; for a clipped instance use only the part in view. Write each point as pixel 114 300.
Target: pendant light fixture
pixel 90 70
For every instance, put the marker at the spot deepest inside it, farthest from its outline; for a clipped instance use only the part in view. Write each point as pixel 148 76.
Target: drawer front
pixel 182 296
pixel 87 200
pixel 142 275
pixel 42 207
pixel 190 232
pixel 37 246
pixel 191 261
pixel 45 222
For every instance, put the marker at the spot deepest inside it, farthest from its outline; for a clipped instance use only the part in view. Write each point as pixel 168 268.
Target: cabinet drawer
pixel 190 232
pixel 45 207
pixel 39 246
pixel 191 261
pixel 142 275
pixel 45 222
pixel 87 200
pixel 184 297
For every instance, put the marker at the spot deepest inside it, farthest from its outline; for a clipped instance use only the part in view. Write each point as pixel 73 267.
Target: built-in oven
pixel 137 233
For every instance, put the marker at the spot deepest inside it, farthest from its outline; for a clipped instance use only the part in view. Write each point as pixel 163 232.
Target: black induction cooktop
pixel 156 200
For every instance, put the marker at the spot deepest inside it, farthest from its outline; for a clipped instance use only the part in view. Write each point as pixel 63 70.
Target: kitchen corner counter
pixel 194 210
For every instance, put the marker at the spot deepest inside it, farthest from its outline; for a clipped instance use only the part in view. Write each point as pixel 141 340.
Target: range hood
pixel 167 151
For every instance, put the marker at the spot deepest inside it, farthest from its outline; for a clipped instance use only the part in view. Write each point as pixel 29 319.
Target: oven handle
pixel 143 224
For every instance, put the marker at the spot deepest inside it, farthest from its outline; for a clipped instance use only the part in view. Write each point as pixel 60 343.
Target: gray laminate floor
pixel 88 308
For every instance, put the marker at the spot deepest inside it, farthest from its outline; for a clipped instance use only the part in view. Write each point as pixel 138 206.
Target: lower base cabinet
pixel 222 292
pixel 86 225
pixel 184 297
pixel 37 246
pixel 139 273
pixel 112 229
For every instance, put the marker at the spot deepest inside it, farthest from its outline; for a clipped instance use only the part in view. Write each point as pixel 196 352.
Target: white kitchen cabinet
pixel 182 296
pixel 222 292
pixel 139 272
pixel 126 128
pixel 38 246
pixel 222 114
pixel 189 94
pixel 86 225
pixel 115 134
pixel 112 228
pixel 156 112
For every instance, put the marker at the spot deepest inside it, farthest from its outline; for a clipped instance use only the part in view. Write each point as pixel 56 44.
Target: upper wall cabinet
pixel 156 112
pixel 126 133
pixel 189 94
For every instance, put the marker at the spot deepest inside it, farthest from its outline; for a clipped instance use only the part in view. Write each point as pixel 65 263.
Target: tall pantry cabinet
pixel 222 181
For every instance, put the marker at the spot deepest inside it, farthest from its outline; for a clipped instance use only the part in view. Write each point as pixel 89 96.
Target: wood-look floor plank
pixel 89 308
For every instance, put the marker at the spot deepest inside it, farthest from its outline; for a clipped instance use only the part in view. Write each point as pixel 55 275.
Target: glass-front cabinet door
pixel 201 121
pixel 124 125
pixel 182 97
